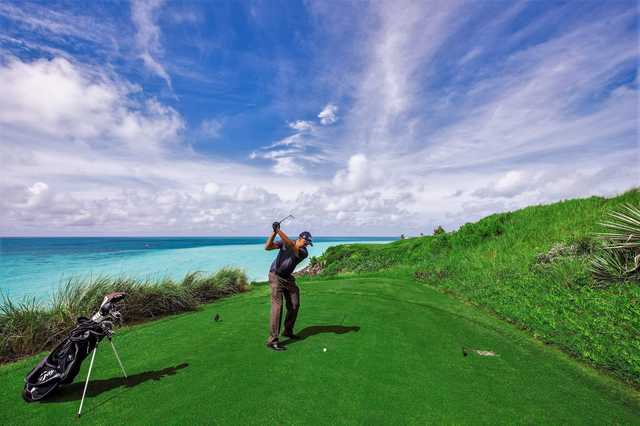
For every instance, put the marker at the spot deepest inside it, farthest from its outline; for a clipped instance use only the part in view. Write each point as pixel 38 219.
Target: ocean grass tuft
pixel 28 326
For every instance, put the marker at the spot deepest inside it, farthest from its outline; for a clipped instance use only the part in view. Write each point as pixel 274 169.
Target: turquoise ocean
pixel 35 267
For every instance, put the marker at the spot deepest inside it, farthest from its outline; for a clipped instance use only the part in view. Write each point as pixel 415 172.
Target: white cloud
pixel 287 166
pixel 38 194
pixel 361 212
pixel 470 55
pixel 82 107
pixel 251 193
pixel 57 24
pixel 297 140
pixel 328 114
pixel 301 125
pixel 211 128
pixel 69 94
pixel 211 188
pixel 144 15
pixel 38 188
pixel 359 174
pixel 293 154
pixel 509 185
pixel 534 104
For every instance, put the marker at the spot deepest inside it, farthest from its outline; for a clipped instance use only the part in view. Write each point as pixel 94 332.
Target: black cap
pixel 306 235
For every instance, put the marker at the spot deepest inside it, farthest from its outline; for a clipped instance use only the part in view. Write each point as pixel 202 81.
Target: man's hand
pixel 276 227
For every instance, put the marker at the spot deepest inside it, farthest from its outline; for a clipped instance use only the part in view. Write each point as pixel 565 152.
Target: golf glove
pixel 276 226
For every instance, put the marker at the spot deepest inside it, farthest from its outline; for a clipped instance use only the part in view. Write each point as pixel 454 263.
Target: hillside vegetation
pixel 530 267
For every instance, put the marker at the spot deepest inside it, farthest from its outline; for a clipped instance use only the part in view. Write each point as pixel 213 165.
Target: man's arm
pixel 270 245
pixel 287 241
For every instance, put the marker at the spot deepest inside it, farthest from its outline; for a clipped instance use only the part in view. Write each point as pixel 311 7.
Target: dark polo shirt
pixel 286 261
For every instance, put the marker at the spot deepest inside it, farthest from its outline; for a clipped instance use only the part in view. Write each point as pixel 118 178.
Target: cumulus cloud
pixel 149 211
pixel 38 194
pixel 211 188
pixel 509 185
pixel 328 115
pixel 144 14
pixel 360 212
pixel 359 174
pixel 287 166
pixel 248 193
pixel 81 107
pixel 301 125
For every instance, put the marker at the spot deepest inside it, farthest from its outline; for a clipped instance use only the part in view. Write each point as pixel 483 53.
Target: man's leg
pixel 292 297
pixel 276 308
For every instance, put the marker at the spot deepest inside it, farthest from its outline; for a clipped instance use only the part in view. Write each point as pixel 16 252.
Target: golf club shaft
pixel 285 218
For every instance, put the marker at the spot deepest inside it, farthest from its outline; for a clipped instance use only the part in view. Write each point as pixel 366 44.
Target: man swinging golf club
pixel 283 284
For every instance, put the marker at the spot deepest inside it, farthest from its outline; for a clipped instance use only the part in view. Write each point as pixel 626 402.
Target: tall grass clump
pixel 25 328
pixel 225 282
pixel 28 327
pixel 619 257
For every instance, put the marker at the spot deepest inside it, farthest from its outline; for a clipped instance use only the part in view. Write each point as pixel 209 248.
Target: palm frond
pixel 619 256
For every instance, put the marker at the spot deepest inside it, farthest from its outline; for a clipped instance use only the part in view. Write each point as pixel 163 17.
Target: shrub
pixel 585 245
pixel 619 256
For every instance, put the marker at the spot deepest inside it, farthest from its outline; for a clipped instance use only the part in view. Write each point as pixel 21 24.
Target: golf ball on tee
pixel 324 350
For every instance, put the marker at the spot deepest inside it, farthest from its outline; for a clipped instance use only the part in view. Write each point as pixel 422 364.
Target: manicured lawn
pixel 394 356
pixel 498 264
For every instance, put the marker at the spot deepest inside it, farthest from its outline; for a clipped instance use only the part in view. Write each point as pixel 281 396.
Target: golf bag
pixel 62 365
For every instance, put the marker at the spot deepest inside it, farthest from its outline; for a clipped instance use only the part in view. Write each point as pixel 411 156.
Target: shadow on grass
pixel 318 329
pixel 73 392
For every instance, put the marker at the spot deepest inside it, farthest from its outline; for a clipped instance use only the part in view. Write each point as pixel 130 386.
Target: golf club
pixel 286 217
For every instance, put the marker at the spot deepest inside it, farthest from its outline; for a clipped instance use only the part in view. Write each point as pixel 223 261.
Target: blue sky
pixel 363 118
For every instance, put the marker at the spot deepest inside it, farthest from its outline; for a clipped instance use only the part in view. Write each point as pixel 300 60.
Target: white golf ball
pixel 325 349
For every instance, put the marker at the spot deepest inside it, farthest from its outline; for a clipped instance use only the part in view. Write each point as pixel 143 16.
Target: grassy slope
pixel 492 264
pixel 403 366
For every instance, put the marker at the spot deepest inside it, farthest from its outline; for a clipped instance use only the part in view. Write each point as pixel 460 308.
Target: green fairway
pixel 394 356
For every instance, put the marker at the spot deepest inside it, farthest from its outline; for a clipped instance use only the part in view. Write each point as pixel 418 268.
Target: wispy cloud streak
pixel 144 14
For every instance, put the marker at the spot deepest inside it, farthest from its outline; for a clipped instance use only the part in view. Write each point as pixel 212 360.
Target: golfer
pixel 283 284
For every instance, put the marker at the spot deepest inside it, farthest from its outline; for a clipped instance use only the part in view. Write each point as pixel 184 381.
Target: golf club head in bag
pixel 62 365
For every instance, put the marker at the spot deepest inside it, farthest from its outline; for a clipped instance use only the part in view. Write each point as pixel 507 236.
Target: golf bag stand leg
pixel 118 358
pixel 86 385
